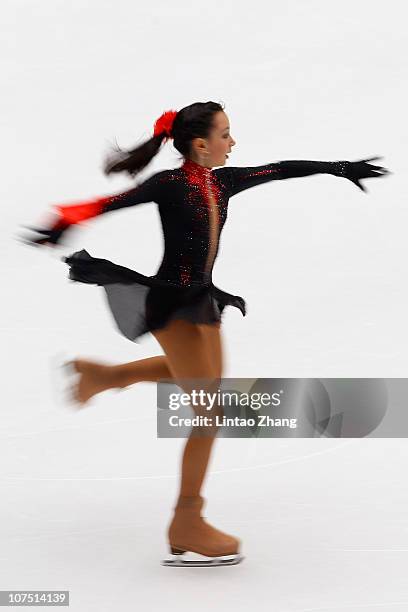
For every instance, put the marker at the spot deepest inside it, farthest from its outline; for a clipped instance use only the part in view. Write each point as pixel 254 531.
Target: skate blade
pixel 63 379
pixel 190 559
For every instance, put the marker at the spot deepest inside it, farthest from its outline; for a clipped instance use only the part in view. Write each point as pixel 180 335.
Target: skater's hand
pixel 50 236
pixel 354 171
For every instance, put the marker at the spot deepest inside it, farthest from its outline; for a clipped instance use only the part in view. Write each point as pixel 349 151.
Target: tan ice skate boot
pixel 189 533
pixel 83 379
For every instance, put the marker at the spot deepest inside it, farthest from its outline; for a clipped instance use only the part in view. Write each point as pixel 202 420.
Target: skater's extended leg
pixel 150 369
pixel 95 377
pixel 153 369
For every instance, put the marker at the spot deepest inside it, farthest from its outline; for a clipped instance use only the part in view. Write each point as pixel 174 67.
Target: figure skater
pixel 179 305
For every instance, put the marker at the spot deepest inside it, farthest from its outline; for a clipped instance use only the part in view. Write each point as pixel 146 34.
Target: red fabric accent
pixel 72 214
pixel 164 123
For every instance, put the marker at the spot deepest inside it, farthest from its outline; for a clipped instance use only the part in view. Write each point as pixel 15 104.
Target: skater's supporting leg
pixel 188 349
pixel 195 461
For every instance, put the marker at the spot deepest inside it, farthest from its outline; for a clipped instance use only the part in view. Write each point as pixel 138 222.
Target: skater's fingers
pixel 29 227
pixel 35 241
pixel 37 230
pixel 376 173
pixel 32 243
pixel 367 159
pixel 377 168
pixel 382 168
pixel 23 240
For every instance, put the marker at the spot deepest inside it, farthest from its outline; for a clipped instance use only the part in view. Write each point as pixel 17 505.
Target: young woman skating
pixel 179 304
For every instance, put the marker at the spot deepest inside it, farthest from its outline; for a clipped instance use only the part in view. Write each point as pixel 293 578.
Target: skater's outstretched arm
pixel 71 214
pixel 237 179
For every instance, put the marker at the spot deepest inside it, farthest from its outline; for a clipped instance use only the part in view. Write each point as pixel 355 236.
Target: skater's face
pixel 213 151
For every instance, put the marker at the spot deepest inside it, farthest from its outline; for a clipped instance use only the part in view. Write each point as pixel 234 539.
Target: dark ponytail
pixel 193 121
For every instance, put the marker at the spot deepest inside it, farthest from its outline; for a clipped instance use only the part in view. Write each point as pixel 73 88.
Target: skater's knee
pixel 207 406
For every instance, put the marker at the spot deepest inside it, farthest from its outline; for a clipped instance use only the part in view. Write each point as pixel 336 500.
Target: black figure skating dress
pixel 193 205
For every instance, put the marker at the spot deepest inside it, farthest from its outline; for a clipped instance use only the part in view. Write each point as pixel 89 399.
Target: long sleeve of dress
pixel 70 214
pixel 237 179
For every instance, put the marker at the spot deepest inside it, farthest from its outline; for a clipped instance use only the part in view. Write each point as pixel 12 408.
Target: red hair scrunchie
pixel 164 123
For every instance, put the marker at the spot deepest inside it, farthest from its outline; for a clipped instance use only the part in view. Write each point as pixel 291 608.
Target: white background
pixel 86 496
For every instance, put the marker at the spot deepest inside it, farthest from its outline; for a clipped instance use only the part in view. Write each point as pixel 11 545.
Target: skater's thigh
pixel 191 366
pixel 213 338
pixel 186 348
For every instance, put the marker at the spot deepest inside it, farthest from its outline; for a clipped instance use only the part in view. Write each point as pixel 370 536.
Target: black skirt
pixel 141 304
